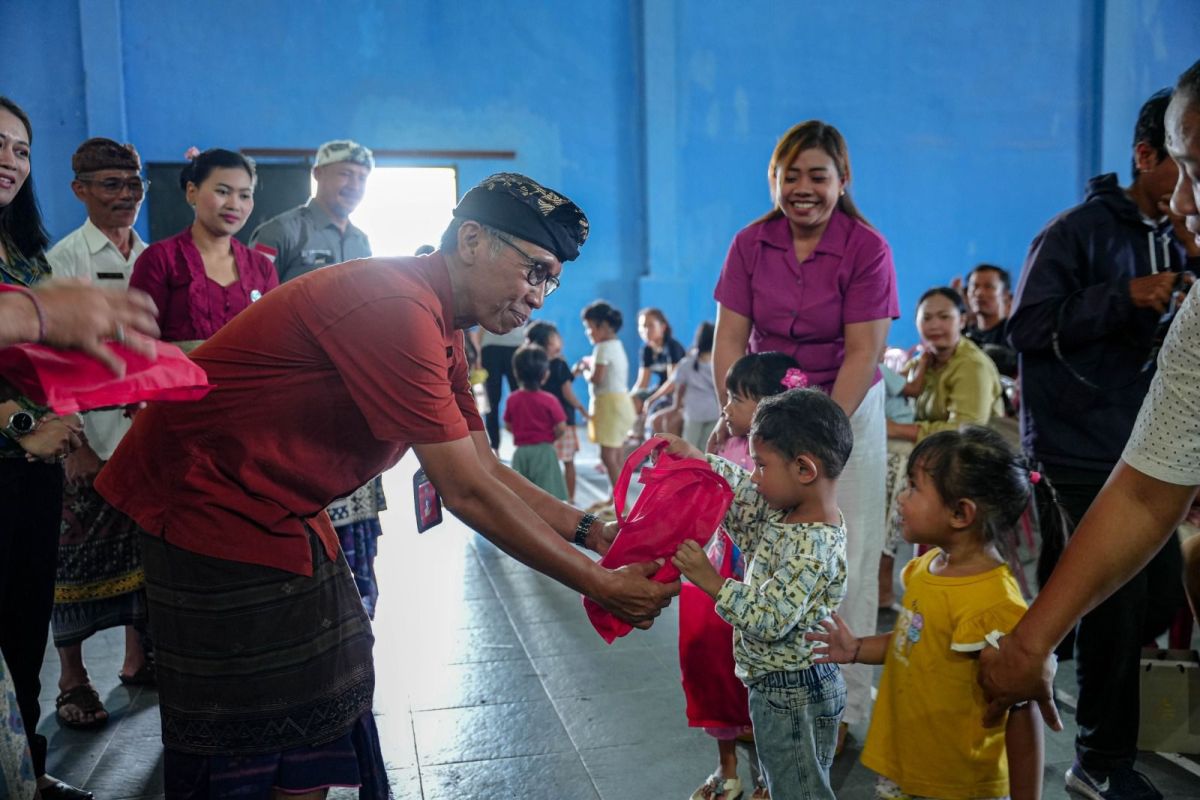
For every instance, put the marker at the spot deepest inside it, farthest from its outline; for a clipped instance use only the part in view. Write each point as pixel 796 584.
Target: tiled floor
pixel 491 683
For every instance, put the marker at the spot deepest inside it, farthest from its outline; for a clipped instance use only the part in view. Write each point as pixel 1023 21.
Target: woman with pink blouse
pixel 202 277
pixel 813 279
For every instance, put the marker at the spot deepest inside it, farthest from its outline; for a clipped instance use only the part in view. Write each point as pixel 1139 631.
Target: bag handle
pixel 621 489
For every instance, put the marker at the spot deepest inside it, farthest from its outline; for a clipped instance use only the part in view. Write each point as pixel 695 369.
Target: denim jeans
pixel 795 716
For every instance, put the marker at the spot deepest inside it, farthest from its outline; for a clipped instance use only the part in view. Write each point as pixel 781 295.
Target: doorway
pixel 406 207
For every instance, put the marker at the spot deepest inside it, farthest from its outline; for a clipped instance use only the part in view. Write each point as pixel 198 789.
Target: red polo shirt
pixel 320 386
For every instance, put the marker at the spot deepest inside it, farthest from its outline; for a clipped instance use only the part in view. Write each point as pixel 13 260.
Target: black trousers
pixel 497 360
pixel 1108 640
pixel 31 503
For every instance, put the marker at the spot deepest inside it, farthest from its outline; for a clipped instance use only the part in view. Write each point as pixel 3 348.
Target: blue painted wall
pixel 968 127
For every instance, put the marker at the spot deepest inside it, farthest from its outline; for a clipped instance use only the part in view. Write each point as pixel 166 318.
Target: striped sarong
pixel 252 659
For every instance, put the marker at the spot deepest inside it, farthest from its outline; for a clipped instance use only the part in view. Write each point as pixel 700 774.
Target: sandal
pixel 718 788
pixel 143 677
pixel 87 700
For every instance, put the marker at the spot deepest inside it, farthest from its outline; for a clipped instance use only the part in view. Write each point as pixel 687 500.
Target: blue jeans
pixel 795 716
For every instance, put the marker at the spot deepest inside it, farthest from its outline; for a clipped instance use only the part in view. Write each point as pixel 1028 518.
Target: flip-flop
pixel 143 677
pixel 87 700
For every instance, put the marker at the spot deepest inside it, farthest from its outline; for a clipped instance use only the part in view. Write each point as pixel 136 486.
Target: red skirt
pixel 716 698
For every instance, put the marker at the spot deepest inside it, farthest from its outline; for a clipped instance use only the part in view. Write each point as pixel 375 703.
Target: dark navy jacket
pixel 1076 280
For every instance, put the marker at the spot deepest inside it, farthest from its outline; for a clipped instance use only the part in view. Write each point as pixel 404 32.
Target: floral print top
pixel 795 577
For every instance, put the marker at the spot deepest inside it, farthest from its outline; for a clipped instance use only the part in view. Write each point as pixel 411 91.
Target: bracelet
pixel 37 307
pixel 857 648
pixel 583 528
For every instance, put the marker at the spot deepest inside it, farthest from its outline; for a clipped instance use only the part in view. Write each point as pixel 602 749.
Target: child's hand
pixel 692 561
pixel 680 447
pixel 841 645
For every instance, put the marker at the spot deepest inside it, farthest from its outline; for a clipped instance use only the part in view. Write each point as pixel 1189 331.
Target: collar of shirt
pixel 777 233
pixel 96 240
pixel 437 273
pixel 321 219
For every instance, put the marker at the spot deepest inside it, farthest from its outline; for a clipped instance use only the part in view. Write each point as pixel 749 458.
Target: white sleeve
pixel 604 353
pixel 1165 443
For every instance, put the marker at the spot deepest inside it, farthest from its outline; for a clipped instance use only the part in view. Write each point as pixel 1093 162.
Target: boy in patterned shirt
pixel 785 517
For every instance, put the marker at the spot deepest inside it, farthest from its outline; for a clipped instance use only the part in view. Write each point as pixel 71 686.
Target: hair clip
pixel 192 153
pixel 794 379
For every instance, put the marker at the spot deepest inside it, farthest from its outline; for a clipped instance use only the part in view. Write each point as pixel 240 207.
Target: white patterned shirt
pixel 795 577
pixel 1165 443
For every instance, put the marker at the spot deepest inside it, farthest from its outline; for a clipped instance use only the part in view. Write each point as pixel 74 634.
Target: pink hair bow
pixel 794 379
pixel 191 153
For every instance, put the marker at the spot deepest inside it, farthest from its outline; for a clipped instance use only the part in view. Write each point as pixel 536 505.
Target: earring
pixel 843 194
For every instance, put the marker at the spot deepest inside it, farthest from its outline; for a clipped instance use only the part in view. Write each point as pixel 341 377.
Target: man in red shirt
pixel 264 651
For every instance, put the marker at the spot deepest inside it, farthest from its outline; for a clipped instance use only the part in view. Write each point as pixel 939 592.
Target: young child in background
pixel 559 383
pixel 536 419
pixel 785 515
pixel 903 380
pixel 610 407
pixel 659 357
pixel 716 698
pixel 694 395
pixel 964 489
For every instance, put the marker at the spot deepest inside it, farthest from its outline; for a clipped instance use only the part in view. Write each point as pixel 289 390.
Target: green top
pixel 964 391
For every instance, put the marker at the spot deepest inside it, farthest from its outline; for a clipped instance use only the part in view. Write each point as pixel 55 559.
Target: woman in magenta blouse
pixel 813 279
pixel 202 277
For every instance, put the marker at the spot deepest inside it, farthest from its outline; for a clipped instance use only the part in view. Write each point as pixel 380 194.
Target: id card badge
pixel 426 502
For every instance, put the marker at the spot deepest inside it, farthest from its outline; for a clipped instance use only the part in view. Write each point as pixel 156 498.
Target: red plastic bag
pixel 69 381
pixel 682 499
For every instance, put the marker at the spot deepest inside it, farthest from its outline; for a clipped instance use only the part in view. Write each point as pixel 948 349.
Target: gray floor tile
pixel 420 616
pixel 592 674
pixel 489 683
pixel 128 771
pixel 433 645
pixel 487 732
pixel 525 581
pixel 405 784
pixel 557 775
pixel 542 607
pixel 570 637
pixel 396 739
pixel 669 767
pixel 610 720
pixel 74 764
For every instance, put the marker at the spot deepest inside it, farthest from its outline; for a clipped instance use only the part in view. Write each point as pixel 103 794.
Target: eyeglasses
pixel 536 272
pixel 115 186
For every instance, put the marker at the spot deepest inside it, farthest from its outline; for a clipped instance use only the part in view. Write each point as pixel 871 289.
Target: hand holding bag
pixel 682 499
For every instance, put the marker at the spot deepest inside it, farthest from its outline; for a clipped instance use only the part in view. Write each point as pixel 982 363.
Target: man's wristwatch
pixel 583 528
pixel 20 424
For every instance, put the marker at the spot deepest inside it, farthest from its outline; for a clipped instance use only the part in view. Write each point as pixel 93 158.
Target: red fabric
pixel 69 381
pixel 682 499
pixel 320 386
pixel 716 698
pixel 190 304
pixel 532 416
